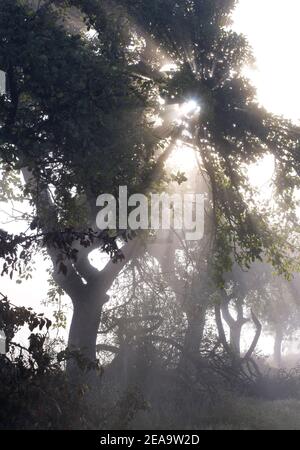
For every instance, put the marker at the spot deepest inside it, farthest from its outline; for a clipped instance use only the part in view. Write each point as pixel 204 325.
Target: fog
pixel 127 326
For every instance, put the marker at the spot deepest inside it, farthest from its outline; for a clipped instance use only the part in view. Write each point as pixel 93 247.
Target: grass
pixel 252 414
pixel 228 413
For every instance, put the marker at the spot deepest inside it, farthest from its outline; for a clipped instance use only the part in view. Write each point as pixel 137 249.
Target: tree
pixel 276 302
pixel 67 103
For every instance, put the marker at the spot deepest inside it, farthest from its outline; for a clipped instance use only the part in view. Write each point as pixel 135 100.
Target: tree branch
pixel 132 249
pixel 220 328
pixel 258 326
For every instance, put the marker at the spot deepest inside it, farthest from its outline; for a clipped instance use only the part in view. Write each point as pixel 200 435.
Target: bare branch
pixel 221 331
pixel 258 326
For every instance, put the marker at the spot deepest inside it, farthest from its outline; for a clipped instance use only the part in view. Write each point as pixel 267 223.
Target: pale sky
pixel 273 30
pixel 272 27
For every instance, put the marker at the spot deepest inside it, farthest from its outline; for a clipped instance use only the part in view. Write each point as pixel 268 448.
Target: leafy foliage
pixel 34 390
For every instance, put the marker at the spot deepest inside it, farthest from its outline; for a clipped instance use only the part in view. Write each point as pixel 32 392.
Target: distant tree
pixel 276 301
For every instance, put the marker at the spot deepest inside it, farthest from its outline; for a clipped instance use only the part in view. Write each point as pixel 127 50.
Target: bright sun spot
pixel 189 108
pixel 183 155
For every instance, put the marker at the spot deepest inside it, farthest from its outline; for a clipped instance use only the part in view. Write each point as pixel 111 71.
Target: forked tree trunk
pixel 88 301
pixel 235 325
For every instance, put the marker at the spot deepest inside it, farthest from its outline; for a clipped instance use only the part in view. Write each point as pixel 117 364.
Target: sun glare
pixel 182 157
pixel 189 108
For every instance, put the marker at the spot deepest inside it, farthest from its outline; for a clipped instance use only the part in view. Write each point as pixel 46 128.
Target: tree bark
pixel 194 331
pixel 193 336
pixel 85 325
pixel 235 338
